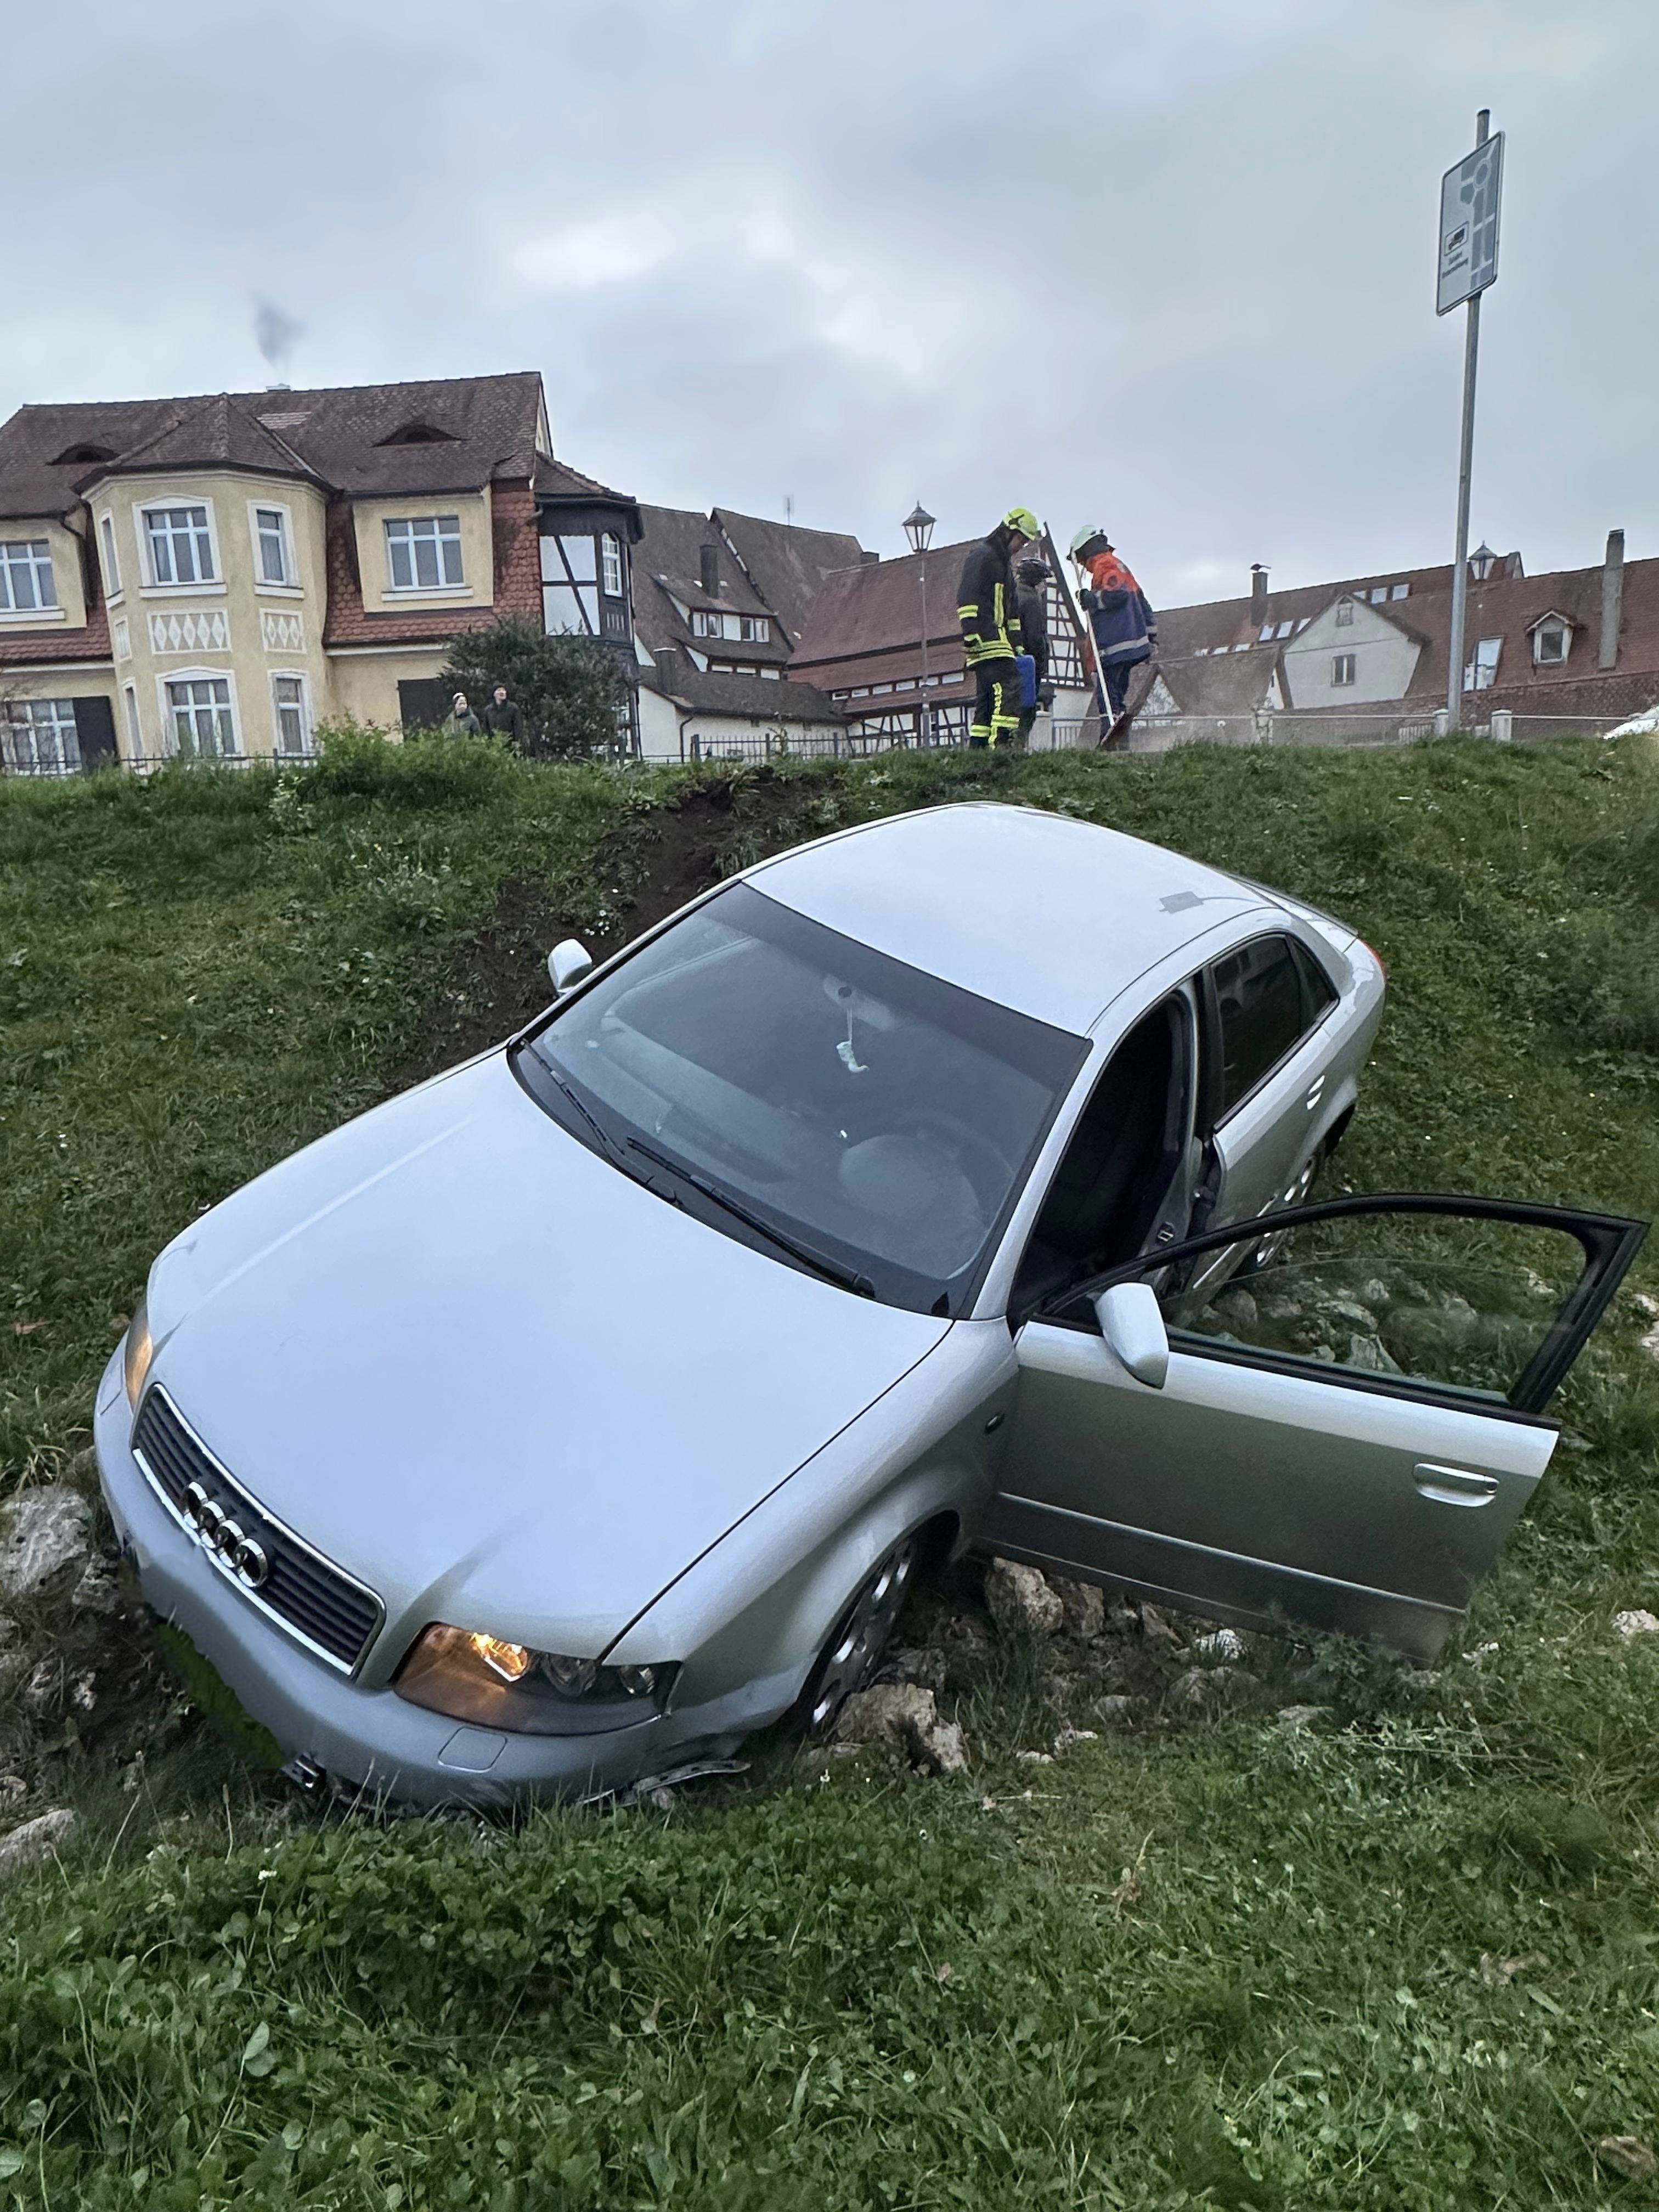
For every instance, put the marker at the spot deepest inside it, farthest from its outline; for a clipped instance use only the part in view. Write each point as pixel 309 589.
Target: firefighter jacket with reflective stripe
pixel 1124 627
pixel 987 604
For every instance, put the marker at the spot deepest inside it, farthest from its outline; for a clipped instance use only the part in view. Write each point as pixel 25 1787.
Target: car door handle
pixel 1453 1486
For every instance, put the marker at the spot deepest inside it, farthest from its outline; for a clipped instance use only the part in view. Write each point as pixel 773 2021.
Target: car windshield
pixel 878 1119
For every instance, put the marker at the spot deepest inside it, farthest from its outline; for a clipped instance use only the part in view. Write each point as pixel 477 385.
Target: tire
pixel 861 1635
pixel 1267 1248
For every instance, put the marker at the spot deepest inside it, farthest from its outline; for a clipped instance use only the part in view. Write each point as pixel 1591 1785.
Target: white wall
pixel 1385 658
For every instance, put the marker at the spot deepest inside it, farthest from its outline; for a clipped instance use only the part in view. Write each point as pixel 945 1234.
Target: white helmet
pixel 1087 538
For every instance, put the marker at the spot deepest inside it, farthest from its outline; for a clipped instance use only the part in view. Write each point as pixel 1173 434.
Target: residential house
pixel 884 640
pixel 718 606
pixel 1369 657
pixel 215 576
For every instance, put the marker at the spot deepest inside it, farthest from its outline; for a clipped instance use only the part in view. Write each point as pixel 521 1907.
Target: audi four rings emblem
pixel 215 1532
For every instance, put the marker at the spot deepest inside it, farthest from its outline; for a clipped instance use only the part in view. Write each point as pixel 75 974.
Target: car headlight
pixel 474 1677
pixel 138 1351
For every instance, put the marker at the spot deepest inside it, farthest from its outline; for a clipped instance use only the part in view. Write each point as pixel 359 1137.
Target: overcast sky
pixel 1168 267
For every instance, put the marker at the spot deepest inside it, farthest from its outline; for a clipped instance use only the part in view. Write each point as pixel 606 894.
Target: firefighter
pixel 1031 575
pixel 1124 625
pixel 989 609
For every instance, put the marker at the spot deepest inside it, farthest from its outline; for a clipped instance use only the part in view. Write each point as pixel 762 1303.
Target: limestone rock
pixel 1020 1598
pixel 1204 1688
pixel 1118 1712
pixel 98 1590
pixel 1634 1622
pixel 1220 1644
pixel 1083 1607
pixel 904 1713
pixel 926 1668
pixel 35 1840
pixel 1157 1629
pixel 42 1532
pixel 1629 2155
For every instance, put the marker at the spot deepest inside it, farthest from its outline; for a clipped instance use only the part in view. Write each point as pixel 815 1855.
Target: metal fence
pixel 1269 727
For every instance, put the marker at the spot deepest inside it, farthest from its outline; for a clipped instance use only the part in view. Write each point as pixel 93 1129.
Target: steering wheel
pixel 973 1152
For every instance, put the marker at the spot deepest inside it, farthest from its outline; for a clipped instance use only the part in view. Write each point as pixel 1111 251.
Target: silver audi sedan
pixel 552 1427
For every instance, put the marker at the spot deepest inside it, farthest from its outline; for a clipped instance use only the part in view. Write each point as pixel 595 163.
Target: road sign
pixel 1468 225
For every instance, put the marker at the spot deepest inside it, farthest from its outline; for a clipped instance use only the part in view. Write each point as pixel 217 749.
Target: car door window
pixel 1110 1191
pixel 1345 1439
pixel 1261 1011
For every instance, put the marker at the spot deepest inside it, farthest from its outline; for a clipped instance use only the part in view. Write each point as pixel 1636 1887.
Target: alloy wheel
pixel 850 1657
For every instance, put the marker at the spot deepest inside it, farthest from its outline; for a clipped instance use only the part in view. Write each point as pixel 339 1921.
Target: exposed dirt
pixel 497 978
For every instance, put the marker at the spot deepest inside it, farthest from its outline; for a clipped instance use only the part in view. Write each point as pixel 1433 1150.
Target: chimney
pixel 667 658
pixel 1613 598
pixel 711 570
pixel 867 560
pixel 1258 593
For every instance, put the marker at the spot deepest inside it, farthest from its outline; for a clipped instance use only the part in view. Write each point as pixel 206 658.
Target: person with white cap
pixel 1124 628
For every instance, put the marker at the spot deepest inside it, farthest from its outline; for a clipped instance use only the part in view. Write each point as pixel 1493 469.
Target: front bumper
pixel 372 1739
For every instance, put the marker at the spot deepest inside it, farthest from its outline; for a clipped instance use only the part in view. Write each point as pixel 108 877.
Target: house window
pixel 181 546
pixel 1265 633
pixel 292 718
pixel 1379 594
pixel 610 567
pixel 1342 670
pixel 1550 642
pixel 40 738
pixel 1480 673
pixel 1283 629
pixel 1398 591
pixel 204 726
pixel 25 575
pixel 112 566
pixel 703 624
pixel 424 552
pixel 271 530
pixel 135 734
pixel 771 674
pixel 756 629
pixel 1344 614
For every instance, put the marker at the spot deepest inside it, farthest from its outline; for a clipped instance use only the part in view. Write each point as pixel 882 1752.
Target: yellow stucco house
pixel 216 576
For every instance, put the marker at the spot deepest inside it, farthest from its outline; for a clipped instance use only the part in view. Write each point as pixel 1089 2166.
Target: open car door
pixel 1345 1437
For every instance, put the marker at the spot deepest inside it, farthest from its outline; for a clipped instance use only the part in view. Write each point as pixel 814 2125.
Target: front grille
pixel 330 1612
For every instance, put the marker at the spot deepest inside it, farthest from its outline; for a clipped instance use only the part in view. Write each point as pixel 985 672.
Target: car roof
pixel 1040 912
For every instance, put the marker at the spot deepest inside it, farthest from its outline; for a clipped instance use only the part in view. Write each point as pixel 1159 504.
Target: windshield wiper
pixel 612 1150
pixel 831 1270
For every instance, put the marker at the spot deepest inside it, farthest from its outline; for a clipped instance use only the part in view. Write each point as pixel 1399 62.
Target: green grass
pixel 1216 1962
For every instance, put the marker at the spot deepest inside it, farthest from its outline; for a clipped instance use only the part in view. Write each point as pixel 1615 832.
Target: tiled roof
pixel 751 697
pixel 478 429
pixel 876 608
pixel 22 649
pixel 1220 623
pixel 787 562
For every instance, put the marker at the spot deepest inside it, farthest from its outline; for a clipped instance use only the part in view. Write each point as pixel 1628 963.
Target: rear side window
pixel 1262 1010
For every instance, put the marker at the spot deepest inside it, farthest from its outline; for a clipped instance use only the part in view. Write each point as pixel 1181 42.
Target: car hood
pixel 465 1358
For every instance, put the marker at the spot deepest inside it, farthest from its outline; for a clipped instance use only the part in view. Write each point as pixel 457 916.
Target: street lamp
pixel 919 529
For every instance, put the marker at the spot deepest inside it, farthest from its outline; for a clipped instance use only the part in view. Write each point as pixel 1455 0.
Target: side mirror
pixel 568 963
pixel 1134 1329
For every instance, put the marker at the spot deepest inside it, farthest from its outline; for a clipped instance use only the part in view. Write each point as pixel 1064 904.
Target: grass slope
pixel 1407 1959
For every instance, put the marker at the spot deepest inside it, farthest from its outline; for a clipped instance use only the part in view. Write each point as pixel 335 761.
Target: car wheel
pixel 862 1634
pixel 1267 1250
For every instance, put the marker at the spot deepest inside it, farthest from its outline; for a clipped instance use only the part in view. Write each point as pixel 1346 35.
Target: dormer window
pixel 420 434
pixel 1344 614
pixel 1552 641
pixel 83 456
pixel 1481 673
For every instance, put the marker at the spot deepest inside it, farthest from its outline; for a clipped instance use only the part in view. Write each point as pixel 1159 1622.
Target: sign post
pixel 1469 194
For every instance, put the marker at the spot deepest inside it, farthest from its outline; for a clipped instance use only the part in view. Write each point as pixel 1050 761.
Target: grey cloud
pixel 1170 266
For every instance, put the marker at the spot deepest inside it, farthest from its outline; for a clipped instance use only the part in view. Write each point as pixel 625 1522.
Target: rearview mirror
pixel 1134 1329
pixel 568 963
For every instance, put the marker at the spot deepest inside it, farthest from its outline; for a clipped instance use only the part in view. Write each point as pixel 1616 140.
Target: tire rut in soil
pixel 497 977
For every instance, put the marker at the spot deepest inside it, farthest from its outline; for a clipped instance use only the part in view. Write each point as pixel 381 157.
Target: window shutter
pixel 95 727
